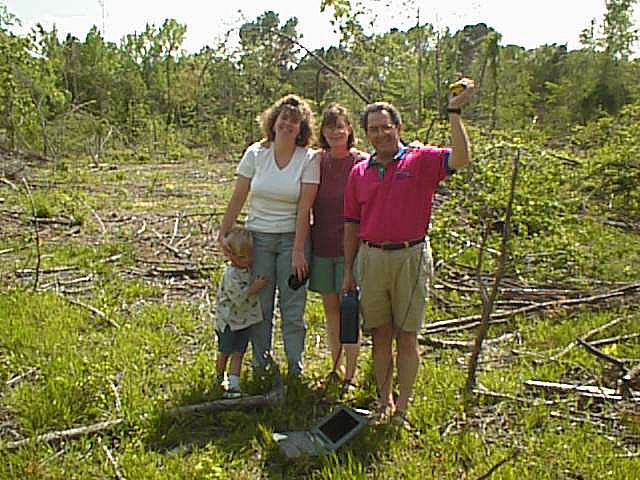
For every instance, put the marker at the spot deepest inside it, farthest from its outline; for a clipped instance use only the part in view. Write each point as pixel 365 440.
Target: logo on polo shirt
pixel 401 174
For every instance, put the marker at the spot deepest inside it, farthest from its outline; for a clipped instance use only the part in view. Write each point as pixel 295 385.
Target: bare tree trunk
pixel 438 77
pixel 488 300
pixel 37 234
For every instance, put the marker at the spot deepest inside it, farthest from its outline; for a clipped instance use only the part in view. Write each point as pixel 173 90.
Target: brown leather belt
pixel 393 246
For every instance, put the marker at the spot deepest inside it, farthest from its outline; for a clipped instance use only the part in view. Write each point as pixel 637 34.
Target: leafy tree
pixel 16 109
pixel 267 59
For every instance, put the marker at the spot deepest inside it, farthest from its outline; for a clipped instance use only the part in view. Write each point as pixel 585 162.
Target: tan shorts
pixel 394 285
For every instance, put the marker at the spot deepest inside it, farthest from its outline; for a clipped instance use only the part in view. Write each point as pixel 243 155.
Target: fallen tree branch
pixel 65 434
pixel 464 345
pixel 114 463
pixel 96 216
pixel 172 249
pixel 17 378
pixel 589 391
pixel 616 339
pixel 275 395
pixel 175 228
pixel 459 328
pixel 228 404
pixel 600 354
pixel 23 272
pixel 6 181
pixel 443 325
pixel 71 222
pixel 193 272
pixel 93 310
pixel 513 455
pixel 587 336
pixel 505 396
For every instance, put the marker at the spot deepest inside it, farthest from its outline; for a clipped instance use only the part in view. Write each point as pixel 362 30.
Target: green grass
pixel 80 369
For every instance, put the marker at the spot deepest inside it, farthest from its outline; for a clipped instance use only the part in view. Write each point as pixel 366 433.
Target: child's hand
pixel 258 284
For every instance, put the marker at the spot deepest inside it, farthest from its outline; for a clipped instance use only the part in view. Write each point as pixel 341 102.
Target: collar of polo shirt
pixel 402 151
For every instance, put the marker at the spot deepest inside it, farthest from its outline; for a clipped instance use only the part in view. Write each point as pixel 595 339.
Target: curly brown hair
pixel 330 117
pixel 296 105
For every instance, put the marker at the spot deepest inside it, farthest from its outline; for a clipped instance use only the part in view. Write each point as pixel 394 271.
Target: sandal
pixel 348 387
pixel 382 413
pixel 399 419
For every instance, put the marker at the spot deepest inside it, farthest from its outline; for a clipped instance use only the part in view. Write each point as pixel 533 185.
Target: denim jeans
pixel 272 259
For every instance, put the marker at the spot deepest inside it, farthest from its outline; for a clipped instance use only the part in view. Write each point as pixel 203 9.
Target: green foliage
pixel 86 97
pixel 612 175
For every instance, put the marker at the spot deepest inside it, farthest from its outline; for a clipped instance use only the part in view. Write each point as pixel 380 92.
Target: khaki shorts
pixel 394 285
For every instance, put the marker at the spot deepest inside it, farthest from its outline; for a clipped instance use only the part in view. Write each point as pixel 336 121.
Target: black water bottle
pixel 349 327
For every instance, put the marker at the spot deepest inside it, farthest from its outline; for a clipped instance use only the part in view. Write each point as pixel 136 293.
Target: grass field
pixel 105 315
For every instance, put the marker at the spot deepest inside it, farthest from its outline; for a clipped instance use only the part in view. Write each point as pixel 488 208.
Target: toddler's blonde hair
pixel 239 241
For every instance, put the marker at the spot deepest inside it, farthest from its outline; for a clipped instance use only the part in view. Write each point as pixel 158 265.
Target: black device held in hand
pixel 349 317
pixel 295 283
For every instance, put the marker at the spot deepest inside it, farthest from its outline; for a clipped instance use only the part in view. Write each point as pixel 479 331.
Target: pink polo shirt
pixel 394 204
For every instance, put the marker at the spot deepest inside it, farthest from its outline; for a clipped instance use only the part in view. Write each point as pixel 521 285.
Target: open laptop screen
pixel 338 425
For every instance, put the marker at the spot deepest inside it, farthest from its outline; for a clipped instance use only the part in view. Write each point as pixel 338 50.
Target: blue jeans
pixel 272 259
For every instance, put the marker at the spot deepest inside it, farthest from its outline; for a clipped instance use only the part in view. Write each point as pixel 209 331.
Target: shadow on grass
pixel 246 434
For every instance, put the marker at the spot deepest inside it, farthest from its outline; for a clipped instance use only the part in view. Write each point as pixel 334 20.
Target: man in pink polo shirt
pixel 387 208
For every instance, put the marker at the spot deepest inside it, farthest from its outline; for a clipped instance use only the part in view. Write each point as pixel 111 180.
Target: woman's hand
pixel 222 243
pixel 299 265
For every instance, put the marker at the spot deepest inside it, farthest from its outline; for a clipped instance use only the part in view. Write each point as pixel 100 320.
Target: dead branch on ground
pixel 464 345
pixel 600 354
pixel 587 336
pixel 93 310
pixel 512 456
pixel 593 392
pixel 65 434
pixel 461 321
pixel 275 395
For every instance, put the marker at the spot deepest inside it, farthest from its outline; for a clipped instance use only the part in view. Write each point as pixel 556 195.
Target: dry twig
pixel 587 336
pixel 37 232
pixel 65 434
pixel 513 455
pixel 600 354
pixel 93 310
pixel 589 391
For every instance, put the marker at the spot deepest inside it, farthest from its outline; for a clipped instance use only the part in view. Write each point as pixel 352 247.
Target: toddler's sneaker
pixel 222 381
pixel 232 392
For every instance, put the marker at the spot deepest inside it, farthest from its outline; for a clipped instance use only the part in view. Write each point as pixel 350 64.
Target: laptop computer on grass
pixel 326 436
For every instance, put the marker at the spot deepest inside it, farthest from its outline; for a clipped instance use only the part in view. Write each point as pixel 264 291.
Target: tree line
pixel 72 97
